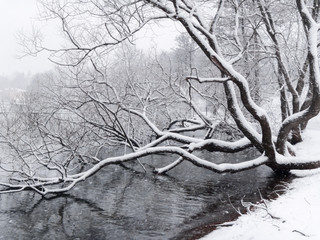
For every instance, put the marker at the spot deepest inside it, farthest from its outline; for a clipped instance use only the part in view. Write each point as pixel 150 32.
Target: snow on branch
pixel 222 146
pixel 62 185
pixel 208 80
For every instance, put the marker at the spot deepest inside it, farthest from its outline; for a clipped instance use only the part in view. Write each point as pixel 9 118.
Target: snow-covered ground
pixel 294 215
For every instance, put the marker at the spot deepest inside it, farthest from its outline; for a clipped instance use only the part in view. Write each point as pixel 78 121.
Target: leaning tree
pixel 243 40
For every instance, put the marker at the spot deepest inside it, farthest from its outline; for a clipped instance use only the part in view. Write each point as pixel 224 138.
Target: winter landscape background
pixel 159 119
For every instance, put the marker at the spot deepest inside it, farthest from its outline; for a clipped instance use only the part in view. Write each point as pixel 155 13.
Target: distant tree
pixel 279 35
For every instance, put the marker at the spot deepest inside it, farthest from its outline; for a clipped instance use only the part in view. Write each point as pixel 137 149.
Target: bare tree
pixel 92 29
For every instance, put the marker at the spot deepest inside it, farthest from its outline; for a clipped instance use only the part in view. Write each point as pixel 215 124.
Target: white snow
pixel 294 215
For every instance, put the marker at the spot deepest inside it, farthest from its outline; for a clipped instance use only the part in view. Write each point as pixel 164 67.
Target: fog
pixel 18 17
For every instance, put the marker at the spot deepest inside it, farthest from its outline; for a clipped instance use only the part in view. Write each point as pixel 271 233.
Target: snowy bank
pixel 294 215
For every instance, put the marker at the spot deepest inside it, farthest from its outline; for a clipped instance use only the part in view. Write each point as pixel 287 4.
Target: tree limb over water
pixel 152 105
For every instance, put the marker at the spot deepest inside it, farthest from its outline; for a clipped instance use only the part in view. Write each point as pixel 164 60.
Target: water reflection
pixel 125 203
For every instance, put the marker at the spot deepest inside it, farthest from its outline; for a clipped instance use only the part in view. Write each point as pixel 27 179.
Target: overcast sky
pixel 16 16
pixel 19 15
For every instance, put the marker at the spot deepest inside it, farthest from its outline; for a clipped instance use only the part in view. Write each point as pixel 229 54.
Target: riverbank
pixel 294 215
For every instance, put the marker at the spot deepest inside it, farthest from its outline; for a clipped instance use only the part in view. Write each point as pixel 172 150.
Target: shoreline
pixel 202 231
pixel 293 215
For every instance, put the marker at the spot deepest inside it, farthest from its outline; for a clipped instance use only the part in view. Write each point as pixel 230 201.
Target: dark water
pixel 125 203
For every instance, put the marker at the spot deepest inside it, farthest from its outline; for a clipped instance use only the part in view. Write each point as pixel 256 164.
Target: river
pixel 123 202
